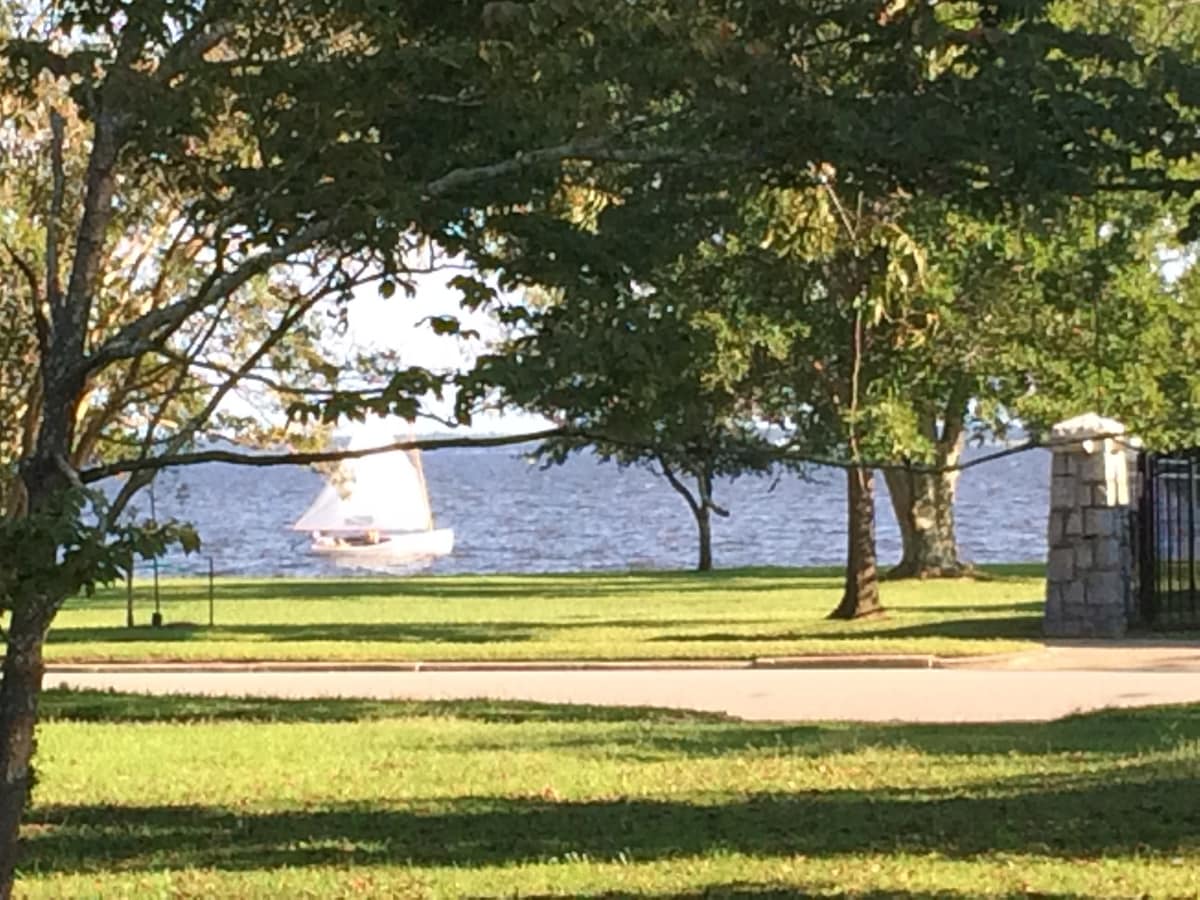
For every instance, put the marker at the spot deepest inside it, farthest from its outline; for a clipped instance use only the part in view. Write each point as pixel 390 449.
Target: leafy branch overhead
pixel 248 175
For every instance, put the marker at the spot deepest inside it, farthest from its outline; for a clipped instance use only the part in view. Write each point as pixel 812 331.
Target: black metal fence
pixel 1165 531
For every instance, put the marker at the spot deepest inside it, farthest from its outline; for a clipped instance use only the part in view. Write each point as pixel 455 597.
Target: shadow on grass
pixel 533 588
pixel 1022 626
pixel 995 627
pixel 661 731
pixel 750 891
pixel 1031 607
pixel 355 632
pixel 114 707
pixel 380 632
pixel 1095 736
pixel 1005 572
pixel 1091 816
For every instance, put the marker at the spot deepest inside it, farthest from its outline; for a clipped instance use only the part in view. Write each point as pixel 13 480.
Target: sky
pixel 395 324
pixel 398 324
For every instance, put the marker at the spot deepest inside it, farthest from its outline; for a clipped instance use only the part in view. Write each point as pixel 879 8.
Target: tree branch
pixel 594 150
pixel 272 384
pixel 122 467
pixel 185 434
pixel 90 476
pixel 680 487
pixel 131 340
pixel 191 48
pixel 40 326
pixel 72 315
pixel 54 219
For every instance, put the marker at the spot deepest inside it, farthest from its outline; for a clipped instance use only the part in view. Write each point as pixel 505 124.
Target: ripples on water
pixel 511 516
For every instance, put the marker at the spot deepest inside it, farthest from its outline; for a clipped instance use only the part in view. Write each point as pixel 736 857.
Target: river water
pixel 511 516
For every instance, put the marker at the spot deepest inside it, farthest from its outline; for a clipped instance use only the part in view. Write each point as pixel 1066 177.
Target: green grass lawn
pixel 676 615
pixel 184 797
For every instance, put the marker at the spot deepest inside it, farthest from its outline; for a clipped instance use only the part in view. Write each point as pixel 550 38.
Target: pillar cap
pixel 1089 425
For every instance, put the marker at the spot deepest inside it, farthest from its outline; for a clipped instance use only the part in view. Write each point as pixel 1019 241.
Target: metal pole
pixel 1191 520
pixel 1148 568
pixel 1168 533
pixel 129 594
pixel 156 620
pixel 1177 575
pixel 210 592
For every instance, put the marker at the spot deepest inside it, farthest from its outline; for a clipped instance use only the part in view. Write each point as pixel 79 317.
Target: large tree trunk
pixel 34 602
pixel 19 694
pixel 861 595
pixel 45 472
pixel 924 507
pixel 41 589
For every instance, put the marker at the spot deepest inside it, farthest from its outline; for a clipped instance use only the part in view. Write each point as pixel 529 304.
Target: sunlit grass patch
pixel 143 796
pixel 740 614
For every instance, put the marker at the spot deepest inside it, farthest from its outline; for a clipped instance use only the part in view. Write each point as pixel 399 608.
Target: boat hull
pixel 394 547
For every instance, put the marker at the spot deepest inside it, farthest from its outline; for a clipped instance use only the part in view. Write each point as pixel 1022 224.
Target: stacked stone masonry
pixel 1089 573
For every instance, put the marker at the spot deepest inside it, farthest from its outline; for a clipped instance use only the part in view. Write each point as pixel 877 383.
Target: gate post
pixel 1089 571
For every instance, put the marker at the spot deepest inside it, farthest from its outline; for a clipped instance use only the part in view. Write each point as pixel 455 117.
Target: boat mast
pixel 414 456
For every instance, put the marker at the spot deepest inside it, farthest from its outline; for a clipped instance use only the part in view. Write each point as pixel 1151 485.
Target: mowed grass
pixel 738 614
pixel 186 797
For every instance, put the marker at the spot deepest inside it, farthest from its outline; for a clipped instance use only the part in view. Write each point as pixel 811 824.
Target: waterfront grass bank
pixel 734 614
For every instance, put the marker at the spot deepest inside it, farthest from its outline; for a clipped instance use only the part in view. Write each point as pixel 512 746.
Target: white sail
pixel 384 493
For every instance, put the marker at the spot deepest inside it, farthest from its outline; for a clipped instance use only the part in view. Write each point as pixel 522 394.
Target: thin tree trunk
pixel 860 598
pixel 702 508
pixel 19 694
pixel 704 526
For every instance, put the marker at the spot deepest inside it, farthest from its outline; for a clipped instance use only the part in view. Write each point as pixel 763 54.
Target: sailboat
pixel 376 511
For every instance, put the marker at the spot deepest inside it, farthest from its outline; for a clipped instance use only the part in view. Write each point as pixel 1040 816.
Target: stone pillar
pixel 1089 572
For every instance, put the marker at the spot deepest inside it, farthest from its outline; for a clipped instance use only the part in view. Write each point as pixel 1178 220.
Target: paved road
pixel 867 695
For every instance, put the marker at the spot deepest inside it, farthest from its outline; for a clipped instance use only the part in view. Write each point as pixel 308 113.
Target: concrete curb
pixel 852 661
pixel 989 661
pixel 847 661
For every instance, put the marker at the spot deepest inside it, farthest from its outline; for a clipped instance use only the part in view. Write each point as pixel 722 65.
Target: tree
pixel 646 378
pixel 1094 334
pixel 155 260
pixel 998 356
pixel 838 275
pixel 266 161
pixel 944 93
pixel 1037 318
